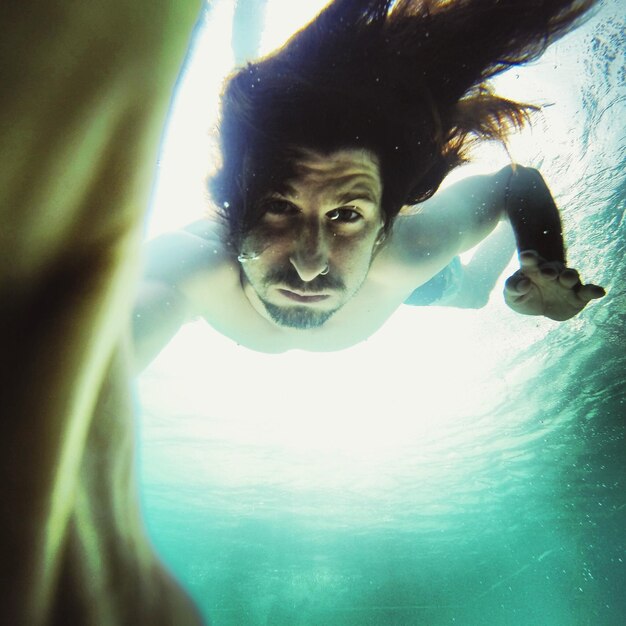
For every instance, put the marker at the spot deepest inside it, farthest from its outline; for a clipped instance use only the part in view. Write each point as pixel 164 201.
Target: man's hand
pixel 547 288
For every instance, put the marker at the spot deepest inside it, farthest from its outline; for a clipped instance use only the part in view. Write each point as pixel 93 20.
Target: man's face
pixel 312 249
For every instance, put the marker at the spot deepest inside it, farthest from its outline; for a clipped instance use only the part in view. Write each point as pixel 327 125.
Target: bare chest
pixel 235 317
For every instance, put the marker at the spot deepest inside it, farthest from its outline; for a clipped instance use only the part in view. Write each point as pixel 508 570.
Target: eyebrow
pixel 357 193
pixel 359 190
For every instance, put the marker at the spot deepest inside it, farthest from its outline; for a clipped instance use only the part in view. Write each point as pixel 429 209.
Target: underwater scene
pixel 461 466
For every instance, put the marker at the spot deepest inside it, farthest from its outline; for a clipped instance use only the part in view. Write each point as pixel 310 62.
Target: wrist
pixel 534 215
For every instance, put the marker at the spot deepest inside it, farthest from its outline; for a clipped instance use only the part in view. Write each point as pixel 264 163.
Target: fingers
pixel 550 271
pixel 535 269
pixel 590 292
pixel 517 284
pixel 569 278
pixel 531 262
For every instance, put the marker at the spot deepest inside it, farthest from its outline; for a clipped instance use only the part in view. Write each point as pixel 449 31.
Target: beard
pixel 301 317
pixel 298 316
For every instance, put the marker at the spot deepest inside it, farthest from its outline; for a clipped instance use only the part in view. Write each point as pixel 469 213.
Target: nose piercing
pixel 244 256
pixel 325 271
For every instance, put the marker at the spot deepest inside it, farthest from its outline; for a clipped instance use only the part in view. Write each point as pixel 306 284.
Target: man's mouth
pixel 303 298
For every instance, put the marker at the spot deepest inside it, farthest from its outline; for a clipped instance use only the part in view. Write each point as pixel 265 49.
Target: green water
pixel 521 522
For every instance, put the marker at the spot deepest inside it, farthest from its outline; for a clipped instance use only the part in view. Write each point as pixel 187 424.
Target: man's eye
pixel 345 215
pixel 279 207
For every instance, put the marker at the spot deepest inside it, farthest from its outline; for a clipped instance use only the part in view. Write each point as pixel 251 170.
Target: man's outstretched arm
pixel 85 90
pixel 462 215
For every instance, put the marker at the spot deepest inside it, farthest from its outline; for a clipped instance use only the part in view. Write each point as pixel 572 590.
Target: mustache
pixel 289 277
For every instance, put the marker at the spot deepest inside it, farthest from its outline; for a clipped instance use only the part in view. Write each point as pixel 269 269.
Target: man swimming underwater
pixel 312 192
pixel 360 114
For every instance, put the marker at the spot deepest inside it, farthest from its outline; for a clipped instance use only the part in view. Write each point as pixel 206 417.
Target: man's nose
pixel 310 252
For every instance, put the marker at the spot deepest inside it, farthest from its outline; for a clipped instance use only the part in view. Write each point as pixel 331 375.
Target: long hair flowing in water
pixel 406 79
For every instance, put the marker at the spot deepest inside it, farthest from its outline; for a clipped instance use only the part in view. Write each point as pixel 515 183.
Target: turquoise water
pixel 460 467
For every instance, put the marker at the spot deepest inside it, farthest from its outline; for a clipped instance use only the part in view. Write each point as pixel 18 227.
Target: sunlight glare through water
pixel 455 457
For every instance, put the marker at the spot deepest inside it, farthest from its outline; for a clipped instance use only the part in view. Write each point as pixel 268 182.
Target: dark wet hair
pixel 405 79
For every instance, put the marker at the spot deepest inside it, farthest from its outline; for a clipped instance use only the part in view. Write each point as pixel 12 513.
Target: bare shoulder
pixel 426 237
pixel 207 262
pixel 174 256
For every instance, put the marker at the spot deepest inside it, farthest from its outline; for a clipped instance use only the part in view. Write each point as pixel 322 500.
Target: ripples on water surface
pixel 460 467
